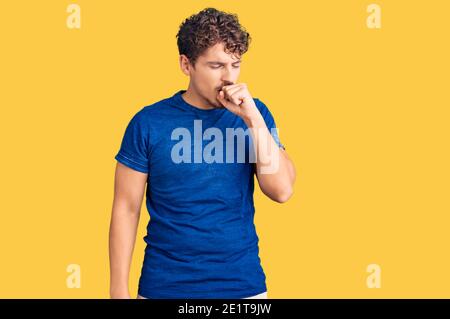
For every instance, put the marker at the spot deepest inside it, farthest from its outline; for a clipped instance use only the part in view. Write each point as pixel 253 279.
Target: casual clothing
pixel 201 238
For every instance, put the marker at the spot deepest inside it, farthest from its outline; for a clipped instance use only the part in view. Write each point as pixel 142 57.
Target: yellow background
pixel 364 114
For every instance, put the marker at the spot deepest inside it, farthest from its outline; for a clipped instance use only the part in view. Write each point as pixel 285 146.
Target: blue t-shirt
pixel 201 237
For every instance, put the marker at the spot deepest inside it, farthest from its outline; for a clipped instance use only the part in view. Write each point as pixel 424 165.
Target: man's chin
pixel 216 104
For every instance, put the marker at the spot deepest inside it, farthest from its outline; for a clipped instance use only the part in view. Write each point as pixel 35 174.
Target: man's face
pixel 213 70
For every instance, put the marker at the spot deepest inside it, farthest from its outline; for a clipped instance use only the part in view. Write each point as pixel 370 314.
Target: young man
pixel 201 238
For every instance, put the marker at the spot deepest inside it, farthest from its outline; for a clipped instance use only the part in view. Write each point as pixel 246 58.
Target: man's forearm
pixel 275 171
pixel 122 237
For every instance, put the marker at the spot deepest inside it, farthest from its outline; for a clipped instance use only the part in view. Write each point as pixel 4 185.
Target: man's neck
pixel 191 97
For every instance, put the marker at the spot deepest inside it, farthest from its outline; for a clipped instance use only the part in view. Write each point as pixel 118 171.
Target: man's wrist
pixel 254 120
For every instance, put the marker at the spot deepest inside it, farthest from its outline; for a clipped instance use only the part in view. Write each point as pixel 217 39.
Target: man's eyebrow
pixel 221 63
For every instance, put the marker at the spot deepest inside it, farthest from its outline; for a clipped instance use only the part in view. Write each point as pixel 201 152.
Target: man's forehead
pixel 217 53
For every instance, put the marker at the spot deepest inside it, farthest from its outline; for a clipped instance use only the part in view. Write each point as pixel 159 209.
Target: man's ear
pixel 184 64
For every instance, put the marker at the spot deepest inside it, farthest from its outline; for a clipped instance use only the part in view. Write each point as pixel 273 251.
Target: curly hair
pixel 209 27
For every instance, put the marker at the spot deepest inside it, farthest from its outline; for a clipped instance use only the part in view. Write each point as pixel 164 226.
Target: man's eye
pixel 216 66
pixel 236 66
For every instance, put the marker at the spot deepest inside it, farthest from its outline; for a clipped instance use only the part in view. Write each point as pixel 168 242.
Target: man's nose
pixel 227 76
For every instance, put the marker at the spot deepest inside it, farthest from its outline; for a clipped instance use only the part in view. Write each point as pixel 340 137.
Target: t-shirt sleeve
pixel 270 121
pixel 134 148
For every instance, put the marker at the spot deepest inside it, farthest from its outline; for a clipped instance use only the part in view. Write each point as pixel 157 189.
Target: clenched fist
pixel 237 99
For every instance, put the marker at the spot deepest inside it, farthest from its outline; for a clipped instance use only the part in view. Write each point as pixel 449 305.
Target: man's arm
pixel 274 169
pixel 129 188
